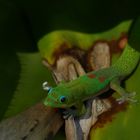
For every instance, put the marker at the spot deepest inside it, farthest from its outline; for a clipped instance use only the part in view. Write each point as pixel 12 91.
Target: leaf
pixel 13 37
pixel 64 38
pixel 29 90
pixel 9 74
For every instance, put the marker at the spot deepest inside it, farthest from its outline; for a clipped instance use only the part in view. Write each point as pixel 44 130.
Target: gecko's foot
pixel 72 112
pixel 67 116
pixel 69 113
pixel 127 97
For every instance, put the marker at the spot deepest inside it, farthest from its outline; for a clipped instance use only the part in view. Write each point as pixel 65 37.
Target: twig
pixel 36 123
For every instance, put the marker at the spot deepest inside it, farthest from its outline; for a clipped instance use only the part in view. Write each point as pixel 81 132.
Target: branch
pixel 36 123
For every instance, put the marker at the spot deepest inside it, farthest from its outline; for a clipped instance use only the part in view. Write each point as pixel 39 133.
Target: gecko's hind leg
pixel 126 96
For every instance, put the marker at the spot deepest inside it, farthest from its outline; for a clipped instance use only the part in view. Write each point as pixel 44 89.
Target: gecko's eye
pixel 62 99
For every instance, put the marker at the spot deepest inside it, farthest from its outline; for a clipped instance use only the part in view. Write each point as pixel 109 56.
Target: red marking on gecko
pixel 91 76
pixel 102 79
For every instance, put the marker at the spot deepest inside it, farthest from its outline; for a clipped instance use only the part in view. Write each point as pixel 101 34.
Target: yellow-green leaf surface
pixel 54 40
pixel 29 90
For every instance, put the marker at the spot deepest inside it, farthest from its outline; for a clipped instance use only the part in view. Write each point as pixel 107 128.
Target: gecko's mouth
pixel 54 105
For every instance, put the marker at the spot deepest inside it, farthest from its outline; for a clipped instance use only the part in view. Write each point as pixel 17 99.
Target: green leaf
pixel 29 90
pixel 54 40
pixel 13 37
pixel 9 75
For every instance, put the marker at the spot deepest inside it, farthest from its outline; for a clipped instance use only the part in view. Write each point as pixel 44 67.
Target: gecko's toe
pixel 67 114
pixel 120 100
pixel 127 97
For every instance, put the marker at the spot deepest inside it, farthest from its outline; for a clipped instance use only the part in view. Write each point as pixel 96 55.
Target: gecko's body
pixel 94 83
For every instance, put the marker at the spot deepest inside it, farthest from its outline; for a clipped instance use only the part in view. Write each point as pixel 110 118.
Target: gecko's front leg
pixel 79 110
pixel 126 96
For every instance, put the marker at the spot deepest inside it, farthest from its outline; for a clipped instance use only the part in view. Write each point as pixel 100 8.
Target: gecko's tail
pixel 127 62
pixel 131 55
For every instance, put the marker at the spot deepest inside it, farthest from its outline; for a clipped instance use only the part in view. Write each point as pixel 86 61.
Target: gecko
pixel 95 83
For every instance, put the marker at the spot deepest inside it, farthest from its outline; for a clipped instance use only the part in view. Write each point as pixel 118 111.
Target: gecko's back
pixel 94 82
pixel 90 84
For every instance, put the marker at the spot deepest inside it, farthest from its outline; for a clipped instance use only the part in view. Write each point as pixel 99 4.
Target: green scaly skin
pixel 94 83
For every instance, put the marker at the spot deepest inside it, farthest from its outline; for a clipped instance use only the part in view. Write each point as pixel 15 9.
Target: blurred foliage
pixel 24 22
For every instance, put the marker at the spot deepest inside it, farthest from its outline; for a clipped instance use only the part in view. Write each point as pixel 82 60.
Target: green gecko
pixel 94 83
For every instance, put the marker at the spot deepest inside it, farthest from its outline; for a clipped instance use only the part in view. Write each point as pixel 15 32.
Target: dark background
pixel 24 22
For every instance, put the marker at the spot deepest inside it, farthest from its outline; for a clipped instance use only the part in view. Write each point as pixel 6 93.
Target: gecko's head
pixel 58 97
